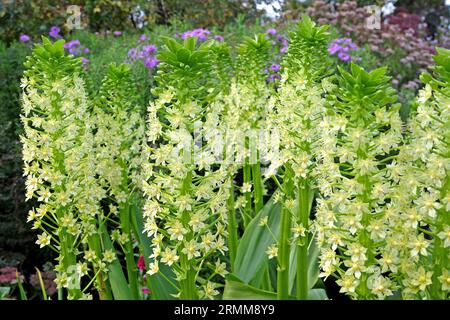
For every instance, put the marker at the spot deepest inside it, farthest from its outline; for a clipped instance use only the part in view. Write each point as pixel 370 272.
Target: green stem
pixel 283 242
pixel 283 255
pixel 257 185
pixel 248 195
pixel 187 285
pixel 232 228
pixel 103 287
pixel 304 207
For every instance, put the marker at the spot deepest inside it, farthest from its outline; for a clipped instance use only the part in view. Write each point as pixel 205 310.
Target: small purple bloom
pixel 24 38
pixel 117 33
pixel 218 38
pixel 283 50
pixel 142 38
pixel 343 47
pixel 273 77
pixel 151 62
pixel 84 60
pixel 344 56
pixel 275 67
pixel 200 33
pixel 86 50
pixel 271 32
pixel 54 32
pixel 71 46
pixel 334 48
pixel 148 50
pixel 132 53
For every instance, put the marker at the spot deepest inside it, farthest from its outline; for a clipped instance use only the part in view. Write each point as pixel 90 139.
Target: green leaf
pixel 313 263
pixel 251 253
pixel 317 294
pixel 237 290
pixel 119 285
pixel 4 291
pixel 183 55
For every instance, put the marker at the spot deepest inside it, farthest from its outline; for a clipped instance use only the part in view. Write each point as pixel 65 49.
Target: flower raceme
pixel 328 146
pixel 76 157
pixel 356 175
pixel 55 144
pixel 186 206
pixel 421 233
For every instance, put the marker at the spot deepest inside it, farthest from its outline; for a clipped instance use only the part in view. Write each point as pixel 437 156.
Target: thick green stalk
pixel 188 289
pixel 232 228
pixel 303 207
pixel 283 255
pixel 257 184
pixel 103 287
pixel 283 242
pixel 248 195
pixel 67 251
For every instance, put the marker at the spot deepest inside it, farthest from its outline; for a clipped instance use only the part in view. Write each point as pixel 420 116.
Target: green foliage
pixel 185 67
pixel 253 56
pixel 308 49
pixel 362 92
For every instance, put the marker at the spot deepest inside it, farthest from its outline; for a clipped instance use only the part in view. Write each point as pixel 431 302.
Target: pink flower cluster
pixel 8 276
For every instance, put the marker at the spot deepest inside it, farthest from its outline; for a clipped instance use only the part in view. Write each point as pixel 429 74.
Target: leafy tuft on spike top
pixel 253 55
pixel 185 68
pixel 308 49
pixel 49 59
pixel 223 65
pixel 361 93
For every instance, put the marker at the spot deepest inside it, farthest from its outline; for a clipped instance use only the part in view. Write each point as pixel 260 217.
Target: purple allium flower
pixel 271 32
pixel 343 47
pixel 84 60
pixel 273 77
pixel 218 38
pixel 142 38
pixel 200 33
pixel 24 38
pixel 54 32
pixel 283 50
pixel 149 50
pixel 275 67
pixel 71 46
pixel 132 53
pixel 344 56
pixel 86 50
pixel 334 48
pixel 151 62
pixel 117 33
